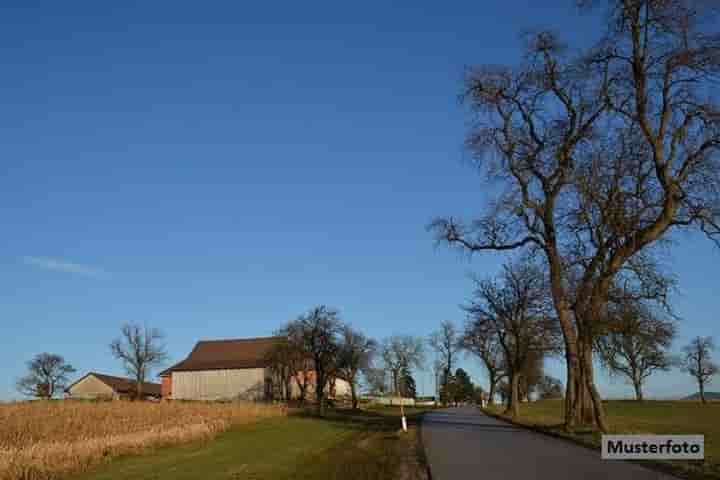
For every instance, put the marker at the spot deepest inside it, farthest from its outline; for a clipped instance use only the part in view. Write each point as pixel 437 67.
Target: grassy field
pixel 347 446
pixel 659 417
pixel 123 440
pixel 42 440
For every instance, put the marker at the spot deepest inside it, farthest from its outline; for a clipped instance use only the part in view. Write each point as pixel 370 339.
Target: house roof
pixel 120 384
pixel 227 354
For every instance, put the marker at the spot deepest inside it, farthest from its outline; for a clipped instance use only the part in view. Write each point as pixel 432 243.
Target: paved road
pixel 464 443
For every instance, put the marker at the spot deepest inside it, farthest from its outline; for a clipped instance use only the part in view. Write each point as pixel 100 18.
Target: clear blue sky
pixel 216 169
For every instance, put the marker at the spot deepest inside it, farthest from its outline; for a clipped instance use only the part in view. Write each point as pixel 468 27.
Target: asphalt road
pixel 464 443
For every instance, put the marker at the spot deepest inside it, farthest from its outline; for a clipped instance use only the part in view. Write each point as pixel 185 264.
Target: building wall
pixel 342 388
pixel 91 387
pixel 247 384
pixel 166 386
pixel 408 402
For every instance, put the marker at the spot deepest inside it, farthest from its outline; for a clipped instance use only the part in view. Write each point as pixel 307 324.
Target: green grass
pixel 296 447
pixel 658 417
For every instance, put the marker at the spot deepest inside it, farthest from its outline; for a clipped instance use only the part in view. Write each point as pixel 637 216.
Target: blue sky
pixel 214 170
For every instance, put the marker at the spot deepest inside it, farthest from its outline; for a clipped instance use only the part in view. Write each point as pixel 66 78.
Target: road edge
pixel 422 454
pixel 659 466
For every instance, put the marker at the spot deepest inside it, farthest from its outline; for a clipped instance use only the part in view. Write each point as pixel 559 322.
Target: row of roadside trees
pixel 601 155
pixel 512 328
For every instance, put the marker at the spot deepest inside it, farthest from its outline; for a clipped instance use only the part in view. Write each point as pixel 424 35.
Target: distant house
pixel 100 386
pixel 227 369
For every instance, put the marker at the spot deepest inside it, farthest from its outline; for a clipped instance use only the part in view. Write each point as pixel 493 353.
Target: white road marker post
pixel 402 408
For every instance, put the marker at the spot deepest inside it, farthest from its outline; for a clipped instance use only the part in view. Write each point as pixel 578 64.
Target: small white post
pixel 404 424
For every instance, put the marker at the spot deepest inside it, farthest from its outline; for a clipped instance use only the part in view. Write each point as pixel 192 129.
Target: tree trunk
pixel 598 408
pixel 701 384
pixel 320 392
pixel 584 410
pixel 579 398
pixel 353 394
pixel 561 306
pixel 571 362
pixel 638 390
pixel 491 393
pixel 302 387
pixel 514 405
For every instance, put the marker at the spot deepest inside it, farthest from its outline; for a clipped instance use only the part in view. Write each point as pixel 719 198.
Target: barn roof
pixel 120 384
pixel 227 354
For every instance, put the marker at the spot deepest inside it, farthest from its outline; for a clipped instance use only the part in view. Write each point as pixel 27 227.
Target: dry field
pixel 45 440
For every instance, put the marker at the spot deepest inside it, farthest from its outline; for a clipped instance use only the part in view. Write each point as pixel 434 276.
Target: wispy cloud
pixel 63 266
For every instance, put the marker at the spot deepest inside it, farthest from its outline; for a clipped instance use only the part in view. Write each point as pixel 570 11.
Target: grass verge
pixel 631 417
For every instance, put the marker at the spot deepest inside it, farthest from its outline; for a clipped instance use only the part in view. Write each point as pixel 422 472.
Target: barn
pixel 100 386
pixel 226 369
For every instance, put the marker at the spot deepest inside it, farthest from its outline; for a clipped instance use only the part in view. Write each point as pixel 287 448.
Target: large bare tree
pixel 600 156
pixel 637 344
pixel 697 361
pixel 447 343
pixel 47 375
pixel 140 350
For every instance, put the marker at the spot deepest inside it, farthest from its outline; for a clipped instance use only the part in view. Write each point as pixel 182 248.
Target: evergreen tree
pixel 407 383
pixel 464 388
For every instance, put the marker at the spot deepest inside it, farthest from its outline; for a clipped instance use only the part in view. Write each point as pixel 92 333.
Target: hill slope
pixel 708 396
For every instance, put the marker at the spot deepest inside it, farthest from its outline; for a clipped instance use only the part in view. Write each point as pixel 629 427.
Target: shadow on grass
pixel 379 450
pixel 376 418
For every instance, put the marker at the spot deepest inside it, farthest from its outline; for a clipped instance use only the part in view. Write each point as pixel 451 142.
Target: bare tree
pixel 401 351
pixel 281 359
pixel 47 374
pixel 302 361
pixel 514 310
pixel 438 371
pixel 375 380
pixel 637 344
pixel 532 373
pixel 320 329
pixel 601 155
pixel 697 361
pixel 140 350
pixel 447 343
pixel 487 348
pixel 290 362
pixel 549 388
pixel 356 354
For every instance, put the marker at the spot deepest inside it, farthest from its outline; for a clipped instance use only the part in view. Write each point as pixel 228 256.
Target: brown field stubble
pixel 42 440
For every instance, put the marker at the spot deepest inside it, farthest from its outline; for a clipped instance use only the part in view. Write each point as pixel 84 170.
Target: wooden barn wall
pixel 246 384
